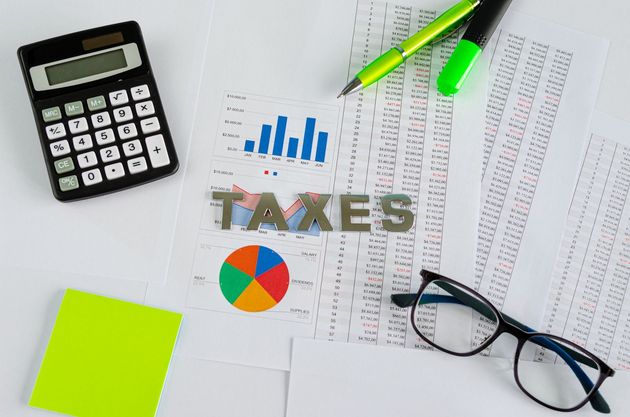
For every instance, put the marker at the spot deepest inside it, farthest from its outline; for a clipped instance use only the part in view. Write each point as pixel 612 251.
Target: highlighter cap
pixel 458 67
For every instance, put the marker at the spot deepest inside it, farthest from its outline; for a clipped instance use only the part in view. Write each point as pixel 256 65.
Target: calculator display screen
pixel 85 67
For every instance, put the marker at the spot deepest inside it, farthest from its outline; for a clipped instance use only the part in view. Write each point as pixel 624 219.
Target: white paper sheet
pixel 544 83
pixel 334 379
pixel 589 297
pixel 123 235
pixel 292 59
pixel 200 388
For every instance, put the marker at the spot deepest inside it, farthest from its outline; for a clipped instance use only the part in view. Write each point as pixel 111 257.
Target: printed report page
pixel 268 121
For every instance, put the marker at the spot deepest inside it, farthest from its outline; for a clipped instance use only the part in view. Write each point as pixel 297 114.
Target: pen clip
pixel 450 32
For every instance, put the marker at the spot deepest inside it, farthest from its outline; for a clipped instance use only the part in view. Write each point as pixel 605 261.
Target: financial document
pixel 544 80
pixel 589 298
pixel 268 121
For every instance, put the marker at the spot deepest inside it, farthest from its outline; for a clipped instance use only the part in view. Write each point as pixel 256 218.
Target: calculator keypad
pixel 69 183
pixel 105 138
pixel 110 154
pixel 87 159
pixel 140 92
pixel 74 109
pixel 127 131
pixel 60 148
pixel 132 148
pixel 150 125
pixel 145 108
pixel 51 114
pixel 101 120
pixel 56 131
pixel 123 114
pixel 157 151
pixel 96 103
pixel 137 165
pixel 114 171
pixel 118 97
pixel 82 142
pixel 78 125
pixel 92 177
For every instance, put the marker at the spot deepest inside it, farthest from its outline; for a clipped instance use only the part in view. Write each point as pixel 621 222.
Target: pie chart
pixel 254 278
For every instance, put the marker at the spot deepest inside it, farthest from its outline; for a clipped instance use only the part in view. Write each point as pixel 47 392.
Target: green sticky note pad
pixel 106 358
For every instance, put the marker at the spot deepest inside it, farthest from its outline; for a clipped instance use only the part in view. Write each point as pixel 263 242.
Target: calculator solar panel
pixel 98 111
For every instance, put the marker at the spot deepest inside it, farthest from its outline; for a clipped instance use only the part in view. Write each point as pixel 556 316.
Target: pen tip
pixel 352 87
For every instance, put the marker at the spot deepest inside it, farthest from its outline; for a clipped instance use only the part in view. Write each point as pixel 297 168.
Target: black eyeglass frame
pixel 523 333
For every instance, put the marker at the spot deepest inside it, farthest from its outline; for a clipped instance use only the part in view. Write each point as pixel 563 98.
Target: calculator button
pixel 96 103
pixel 118 97
pixel 137 165
pixel 74 109
pixel 101 120
pixel 64 165
pixel 103 137
pixel 132 148
pixel 114 171
pixel 123 114
pixel 69 183
pixel 150 125
pixel 82 142
pixel 78 125
pixel 145 109
pixel 87 159
pixel 56 131
pixel 140 92
pixel 92 177
pixel 127 131
pixel 60 148
pixel 51 114
pixel 110 154
pixel 157 151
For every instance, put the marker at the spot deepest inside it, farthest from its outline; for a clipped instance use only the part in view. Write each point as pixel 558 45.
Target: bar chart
pixel 276 130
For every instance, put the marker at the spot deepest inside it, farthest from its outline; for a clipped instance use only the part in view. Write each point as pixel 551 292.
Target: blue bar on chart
pixel 309 131
pixel 281 128
pixel 320 152
pixel 265 136
pixel 293 145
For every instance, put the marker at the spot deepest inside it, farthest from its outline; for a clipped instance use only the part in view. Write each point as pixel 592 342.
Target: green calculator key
pixel 74 108
pixel 51 114
pixel 68 183
pixel 96 103
pixel 64 165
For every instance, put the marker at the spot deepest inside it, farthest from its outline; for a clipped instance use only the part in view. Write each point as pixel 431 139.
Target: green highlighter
pixel 440 28
pixel 469 48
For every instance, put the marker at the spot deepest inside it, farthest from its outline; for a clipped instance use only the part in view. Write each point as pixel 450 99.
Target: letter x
pixel 314 212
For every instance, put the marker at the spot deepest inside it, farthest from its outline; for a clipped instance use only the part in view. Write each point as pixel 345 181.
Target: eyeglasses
pixel 551 370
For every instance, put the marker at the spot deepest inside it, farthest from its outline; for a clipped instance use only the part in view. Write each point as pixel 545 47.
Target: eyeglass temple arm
pixel 569 355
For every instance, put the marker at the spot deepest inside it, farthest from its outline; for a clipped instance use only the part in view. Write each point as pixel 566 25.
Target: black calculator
pixel 98 112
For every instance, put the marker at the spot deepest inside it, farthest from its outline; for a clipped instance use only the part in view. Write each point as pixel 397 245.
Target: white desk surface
pixel 34 228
